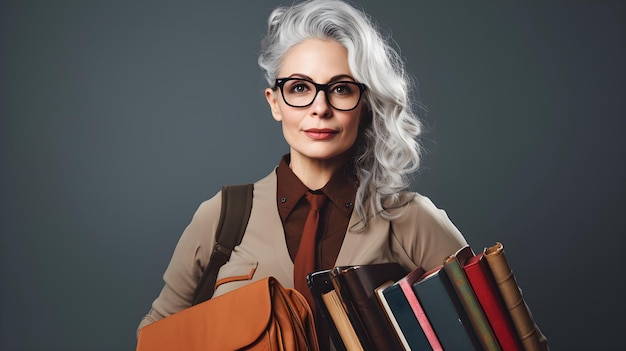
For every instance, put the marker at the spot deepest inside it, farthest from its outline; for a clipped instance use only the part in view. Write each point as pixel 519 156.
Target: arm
pixel 188 262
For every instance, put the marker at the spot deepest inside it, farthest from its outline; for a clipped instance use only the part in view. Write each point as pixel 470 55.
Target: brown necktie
pixel 304 262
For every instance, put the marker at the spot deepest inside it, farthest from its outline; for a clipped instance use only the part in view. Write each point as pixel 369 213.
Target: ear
pixel 272 100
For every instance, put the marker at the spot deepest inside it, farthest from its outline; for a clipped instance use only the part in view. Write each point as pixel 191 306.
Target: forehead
pixel 317 59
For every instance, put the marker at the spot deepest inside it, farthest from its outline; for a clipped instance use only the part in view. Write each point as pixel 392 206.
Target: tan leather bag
pixel 262 315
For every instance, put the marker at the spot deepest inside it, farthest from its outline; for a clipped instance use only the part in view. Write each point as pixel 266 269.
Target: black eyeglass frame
pixel 280 82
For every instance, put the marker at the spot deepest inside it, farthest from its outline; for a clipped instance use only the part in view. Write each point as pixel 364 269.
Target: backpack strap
pixel 234 216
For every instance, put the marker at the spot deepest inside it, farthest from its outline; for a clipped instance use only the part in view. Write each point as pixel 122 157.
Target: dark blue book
pixel 406 321
pixel 445 311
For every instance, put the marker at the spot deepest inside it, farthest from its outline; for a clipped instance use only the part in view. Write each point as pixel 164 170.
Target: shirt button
pixel 348 204
pixel 283 199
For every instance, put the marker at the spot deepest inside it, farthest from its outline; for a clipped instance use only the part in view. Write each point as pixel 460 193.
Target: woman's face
pixel 317 132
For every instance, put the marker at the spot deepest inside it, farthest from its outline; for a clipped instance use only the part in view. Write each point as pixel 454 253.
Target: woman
pixel 342 97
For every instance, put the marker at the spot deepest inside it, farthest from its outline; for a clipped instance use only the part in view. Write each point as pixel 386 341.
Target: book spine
pixel 445 312
pixel 406 320
pixel 470 304
pixel 513 299
pixel 418 310
pixel 488 295
pixel 384 299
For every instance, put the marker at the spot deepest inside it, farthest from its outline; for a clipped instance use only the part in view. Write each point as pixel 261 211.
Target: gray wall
pixel 119 118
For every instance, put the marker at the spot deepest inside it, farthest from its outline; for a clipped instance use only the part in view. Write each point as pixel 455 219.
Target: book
pixel 353 318
pixel 339 318
pixel 402 317
pixel 356 286
pixel 488 295
pixel 531 337
pixel 319 283
pixel 406 284
pixel 445 311
pixel 453 265
pixel 391 318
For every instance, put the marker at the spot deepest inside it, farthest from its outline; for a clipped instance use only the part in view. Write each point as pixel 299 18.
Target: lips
pixel 320 134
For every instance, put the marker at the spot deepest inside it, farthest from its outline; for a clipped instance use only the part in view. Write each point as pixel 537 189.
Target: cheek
pixel 290 124
pixel 289 119
pixel 354 125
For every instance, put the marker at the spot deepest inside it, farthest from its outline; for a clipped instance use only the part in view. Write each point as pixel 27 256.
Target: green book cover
pixel 453 266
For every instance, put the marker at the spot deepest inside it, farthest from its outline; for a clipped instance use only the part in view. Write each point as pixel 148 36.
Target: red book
pixel 453 266
pixel 406 284
pixel 488 294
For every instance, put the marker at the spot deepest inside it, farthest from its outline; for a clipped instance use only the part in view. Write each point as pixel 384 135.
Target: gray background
pixel 119 118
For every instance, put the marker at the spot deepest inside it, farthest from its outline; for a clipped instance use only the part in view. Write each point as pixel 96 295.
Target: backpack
pixel 234 216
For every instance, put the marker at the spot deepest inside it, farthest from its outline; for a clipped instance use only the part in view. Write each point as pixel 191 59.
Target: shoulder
pixel 425 231
pixel 417 207
pixel 210 209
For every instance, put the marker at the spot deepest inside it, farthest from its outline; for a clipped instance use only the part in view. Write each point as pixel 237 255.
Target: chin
pixel 327 156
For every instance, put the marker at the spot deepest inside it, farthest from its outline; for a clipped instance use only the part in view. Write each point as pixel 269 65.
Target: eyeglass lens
pixel 342 95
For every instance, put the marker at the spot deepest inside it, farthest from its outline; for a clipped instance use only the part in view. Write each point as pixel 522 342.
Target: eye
pixel 299 87
pixel 343 88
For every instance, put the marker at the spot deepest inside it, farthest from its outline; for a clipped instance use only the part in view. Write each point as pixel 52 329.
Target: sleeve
pixel 426 234
pixel 188 262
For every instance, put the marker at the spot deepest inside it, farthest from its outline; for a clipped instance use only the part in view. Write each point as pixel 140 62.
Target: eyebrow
pixel 336 78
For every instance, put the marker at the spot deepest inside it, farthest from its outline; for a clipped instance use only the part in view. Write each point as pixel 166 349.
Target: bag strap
pixel 234 216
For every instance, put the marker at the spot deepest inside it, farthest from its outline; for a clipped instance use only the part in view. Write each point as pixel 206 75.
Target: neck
pixel 313 173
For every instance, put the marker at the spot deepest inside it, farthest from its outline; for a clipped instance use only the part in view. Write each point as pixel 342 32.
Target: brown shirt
pixel 334 219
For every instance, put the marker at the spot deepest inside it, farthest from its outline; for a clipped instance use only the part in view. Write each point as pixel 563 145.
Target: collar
pixel 340 189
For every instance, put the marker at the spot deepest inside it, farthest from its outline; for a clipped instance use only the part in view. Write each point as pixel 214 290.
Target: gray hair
pixel 387 150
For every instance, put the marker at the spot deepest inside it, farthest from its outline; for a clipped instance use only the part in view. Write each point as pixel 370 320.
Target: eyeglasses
pixel 300 92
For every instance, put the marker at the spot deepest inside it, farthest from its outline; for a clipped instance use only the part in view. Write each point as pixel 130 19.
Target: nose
pixel 320 106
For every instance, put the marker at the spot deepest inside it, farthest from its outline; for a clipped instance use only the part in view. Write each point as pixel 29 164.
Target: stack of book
pixel 469 302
